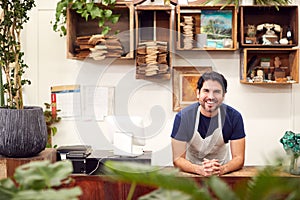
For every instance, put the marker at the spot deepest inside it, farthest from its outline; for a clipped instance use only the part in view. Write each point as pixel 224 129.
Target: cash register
pixel 85 160
pixel 77 154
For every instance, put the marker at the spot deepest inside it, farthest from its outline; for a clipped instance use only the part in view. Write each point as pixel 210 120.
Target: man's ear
pixel 198 93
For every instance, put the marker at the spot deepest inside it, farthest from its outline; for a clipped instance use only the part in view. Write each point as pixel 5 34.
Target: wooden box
pixel 284 16
pixel 79 27
pixel 279 74
pixel 204 36
pixel 289 65
pixel 153 31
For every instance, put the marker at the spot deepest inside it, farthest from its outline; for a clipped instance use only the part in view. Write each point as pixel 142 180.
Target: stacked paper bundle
pixel 188 27
pixel 83 47
pixel 99 47
pixel 152 58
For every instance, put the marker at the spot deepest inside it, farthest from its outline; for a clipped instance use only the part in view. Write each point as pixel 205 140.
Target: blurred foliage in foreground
pixel 265 185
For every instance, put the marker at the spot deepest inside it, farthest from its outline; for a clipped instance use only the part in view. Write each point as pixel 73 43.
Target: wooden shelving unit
pixel 79 27
pixel 253 59
pixel 153 34
pixel 263 37
pixel 284 16
pixel 222 35
pixel 146 33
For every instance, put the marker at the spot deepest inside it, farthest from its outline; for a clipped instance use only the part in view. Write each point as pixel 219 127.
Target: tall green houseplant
pixel 13 17
pixel 23 130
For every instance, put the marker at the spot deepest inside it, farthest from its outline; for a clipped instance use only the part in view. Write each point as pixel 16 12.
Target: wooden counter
pixel 100 187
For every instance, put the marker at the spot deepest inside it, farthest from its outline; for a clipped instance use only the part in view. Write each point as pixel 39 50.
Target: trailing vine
pixel 88 9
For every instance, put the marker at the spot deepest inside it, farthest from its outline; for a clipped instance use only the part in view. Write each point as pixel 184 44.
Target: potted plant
pixel 51 119
pixel 88 9
pixel 291 144
pixel 23 129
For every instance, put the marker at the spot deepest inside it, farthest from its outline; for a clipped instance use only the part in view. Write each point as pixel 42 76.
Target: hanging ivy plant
pixel 88 9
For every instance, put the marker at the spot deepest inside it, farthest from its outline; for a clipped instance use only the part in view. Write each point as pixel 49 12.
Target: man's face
pixel 210 97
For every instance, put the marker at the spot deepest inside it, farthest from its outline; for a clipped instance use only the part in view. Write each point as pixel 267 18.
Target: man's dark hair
pixel 215 76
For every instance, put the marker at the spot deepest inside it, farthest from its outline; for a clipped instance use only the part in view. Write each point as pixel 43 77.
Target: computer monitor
pixel 128 134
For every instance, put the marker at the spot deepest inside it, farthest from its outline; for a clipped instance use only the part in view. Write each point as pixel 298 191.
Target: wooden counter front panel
pixel 101 188
pixel 94 188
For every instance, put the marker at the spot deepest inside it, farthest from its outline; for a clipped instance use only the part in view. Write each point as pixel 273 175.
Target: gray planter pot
pixel 23 133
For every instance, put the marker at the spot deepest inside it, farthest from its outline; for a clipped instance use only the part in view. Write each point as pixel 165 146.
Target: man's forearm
pixel 232 165
pixel 187 166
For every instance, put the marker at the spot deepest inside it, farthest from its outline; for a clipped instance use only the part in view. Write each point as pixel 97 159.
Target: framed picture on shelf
pixel 185 84
pixel 217 24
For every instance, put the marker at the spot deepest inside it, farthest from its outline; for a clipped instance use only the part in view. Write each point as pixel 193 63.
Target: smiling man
pixel 208 137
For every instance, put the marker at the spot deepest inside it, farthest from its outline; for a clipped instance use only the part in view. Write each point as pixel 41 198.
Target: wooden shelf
pixel 285 16
pixel 153 41
pixel 202 39
pixel 251 61
pixel 79 27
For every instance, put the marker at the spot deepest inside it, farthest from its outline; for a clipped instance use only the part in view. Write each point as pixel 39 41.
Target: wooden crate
pixel 78 26
pixel 289 58
pixel 195 11
pixel 255 15
pixel 154 23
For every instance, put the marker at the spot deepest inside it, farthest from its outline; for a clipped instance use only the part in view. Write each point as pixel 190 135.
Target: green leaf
pixel 107 13
pixel 41 174
pixel 34 181
pixel 49 194
pixel 267 185
pixel 166 195
pixel 89 7
pixel 105 2
pixel 7 188
pixel 60 6
pixel 53 130
pixel 105 30
pixel 101 22
pixel 77 5
pixel 221 189
pixel 85 15
pixel 114 18
pixel 96 12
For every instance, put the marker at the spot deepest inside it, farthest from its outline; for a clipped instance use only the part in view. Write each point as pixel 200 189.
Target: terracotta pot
pixel 23 133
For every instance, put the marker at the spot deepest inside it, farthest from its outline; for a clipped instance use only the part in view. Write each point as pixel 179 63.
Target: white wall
pixel 268 111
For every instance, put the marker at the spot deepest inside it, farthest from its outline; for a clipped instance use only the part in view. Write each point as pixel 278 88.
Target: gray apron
pixel 211 147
